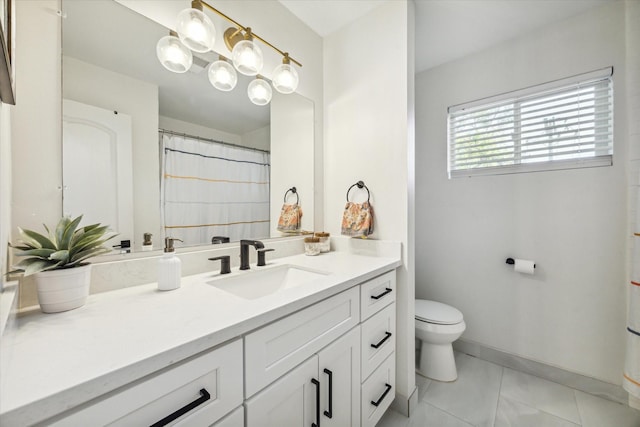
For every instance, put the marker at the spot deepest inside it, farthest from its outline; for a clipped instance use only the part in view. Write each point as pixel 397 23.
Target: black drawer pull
pixel 386 337
pixel 386 291
pixel 204 396
pixel 329 413
pixel 377 402
pixel 317 384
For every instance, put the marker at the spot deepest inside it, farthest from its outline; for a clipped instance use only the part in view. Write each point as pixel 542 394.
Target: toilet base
pixel 437 362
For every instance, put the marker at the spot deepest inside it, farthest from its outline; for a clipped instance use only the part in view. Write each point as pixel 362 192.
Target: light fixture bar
pixel 234 22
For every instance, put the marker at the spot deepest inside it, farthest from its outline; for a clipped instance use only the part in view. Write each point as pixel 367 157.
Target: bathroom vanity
pixel 315 348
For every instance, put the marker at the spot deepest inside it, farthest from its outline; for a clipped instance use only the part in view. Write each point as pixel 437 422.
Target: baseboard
pixel 404 405
pixel 580 382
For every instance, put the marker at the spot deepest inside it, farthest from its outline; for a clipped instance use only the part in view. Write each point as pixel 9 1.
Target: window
pixel 560 125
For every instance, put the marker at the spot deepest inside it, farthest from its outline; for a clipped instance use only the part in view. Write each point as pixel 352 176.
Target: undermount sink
pixel 259 283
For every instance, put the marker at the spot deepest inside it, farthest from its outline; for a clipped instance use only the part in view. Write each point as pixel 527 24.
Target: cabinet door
pixel 339 371
pixel 290 401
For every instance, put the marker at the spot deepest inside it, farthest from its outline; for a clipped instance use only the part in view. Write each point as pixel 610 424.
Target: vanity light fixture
pixel 259 91
pixel 285 77
pixel 195 29
pixel 197 32
pixel 173 55
pixel 247 56
pixel 222 75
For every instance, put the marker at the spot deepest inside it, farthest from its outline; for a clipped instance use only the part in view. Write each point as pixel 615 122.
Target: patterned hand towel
pixel 357 219
pixel 290 218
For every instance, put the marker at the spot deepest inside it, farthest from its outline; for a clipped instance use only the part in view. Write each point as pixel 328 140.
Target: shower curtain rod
pixel 170 132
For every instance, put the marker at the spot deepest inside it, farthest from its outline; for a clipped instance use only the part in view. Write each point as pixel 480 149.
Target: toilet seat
pixel 437 313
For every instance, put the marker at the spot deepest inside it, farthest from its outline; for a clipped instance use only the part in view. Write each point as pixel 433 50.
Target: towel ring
pixel 294 191
pixel 359 184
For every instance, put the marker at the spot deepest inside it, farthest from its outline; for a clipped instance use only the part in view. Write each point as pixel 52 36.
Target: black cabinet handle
pixel 377 402
pixel 204 396
pixel 386 291
pixel 317 384
pixel 329 413
pixel 386 337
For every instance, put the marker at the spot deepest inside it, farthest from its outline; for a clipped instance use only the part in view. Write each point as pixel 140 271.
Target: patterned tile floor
pixel 489 395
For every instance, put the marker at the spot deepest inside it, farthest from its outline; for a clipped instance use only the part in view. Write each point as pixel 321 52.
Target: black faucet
pixel 244 251
pixel 225 263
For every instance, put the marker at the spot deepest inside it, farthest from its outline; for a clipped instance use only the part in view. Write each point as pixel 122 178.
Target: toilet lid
pixel 436 312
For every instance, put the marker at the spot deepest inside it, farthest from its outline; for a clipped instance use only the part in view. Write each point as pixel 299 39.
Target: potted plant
pixel 58 261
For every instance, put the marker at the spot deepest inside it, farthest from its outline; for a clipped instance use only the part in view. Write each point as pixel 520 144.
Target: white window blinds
pixel 561 125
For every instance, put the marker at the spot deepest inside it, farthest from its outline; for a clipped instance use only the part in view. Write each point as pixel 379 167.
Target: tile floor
pixel 488 395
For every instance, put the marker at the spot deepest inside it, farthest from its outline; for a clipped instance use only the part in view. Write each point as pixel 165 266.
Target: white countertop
pixel 54 362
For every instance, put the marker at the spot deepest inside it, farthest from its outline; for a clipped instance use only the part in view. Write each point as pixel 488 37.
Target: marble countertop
pixel 54 362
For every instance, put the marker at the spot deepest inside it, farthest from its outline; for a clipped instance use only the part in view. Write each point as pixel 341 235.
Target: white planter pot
pixel 62 290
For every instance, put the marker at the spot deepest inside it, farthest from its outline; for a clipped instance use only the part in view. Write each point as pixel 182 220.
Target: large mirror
pixel 150 151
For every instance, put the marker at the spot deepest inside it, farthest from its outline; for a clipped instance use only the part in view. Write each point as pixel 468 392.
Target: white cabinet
pixel 378 339
pixel 197 392
pixel 378 392
pixel 304 369
pixel 290 401
pixel 339 376
pixel 376 294
pixel 324 389
pixel 378 315
pixel 330 364
pixel 273 350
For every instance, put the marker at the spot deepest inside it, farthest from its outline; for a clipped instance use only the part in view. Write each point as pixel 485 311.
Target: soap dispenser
pixel 169 267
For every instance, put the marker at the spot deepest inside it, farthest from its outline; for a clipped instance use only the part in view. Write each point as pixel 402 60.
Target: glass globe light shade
pixel 247 57
pixel 285 78
pixel 196 30
pixel 259 92
pixel 222 75
pixel 173 55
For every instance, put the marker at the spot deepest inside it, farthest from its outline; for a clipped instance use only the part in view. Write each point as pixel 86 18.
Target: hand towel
pixel 290 218
pixel 357 219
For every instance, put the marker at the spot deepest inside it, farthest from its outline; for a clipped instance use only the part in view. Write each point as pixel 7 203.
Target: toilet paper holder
pixel 511 261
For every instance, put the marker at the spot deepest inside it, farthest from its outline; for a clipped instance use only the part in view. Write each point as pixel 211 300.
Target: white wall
pixel 571 313
pixel 36 149
pixel 180 126
pixel 367 79
pixel 139 99
pixel 259 138
pixel 291 158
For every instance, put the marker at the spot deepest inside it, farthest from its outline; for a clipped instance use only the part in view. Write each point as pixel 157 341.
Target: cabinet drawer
pixel 376 294
pixel 275 349
pixel 219 372
pixel 378 339
pixel 378 392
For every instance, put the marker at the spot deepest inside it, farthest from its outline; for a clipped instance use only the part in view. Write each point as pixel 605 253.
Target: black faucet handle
pixel 225 263
pixel 261 256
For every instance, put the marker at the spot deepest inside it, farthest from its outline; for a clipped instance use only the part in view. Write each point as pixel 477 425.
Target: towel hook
pixel 360 184
pixel 294 191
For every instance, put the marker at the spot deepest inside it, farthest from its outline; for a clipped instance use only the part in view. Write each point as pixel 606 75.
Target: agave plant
pixel 66 247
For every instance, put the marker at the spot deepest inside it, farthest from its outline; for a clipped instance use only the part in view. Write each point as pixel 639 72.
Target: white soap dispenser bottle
pixel 169 267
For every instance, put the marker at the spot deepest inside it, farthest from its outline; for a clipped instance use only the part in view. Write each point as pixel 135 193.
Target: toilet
pixel 437 327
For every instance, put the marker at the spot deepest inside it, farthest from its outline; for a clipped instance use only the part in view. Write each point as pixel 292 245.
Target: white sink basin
pixel 259 283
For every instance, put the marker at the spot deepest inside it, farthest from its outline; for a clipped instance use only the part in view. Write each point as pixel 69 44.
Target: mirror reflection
pixel 149 151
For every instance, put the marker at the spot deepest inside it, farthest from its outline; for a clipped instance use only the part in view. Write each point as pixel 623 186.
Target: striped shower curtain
pixel 213 189
pixel 631 381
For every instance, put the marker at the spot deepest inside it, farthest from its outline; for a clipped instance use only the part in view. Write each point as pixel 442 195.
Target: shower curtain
pixel 213 189
pixel 631 378
pixel 631 381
